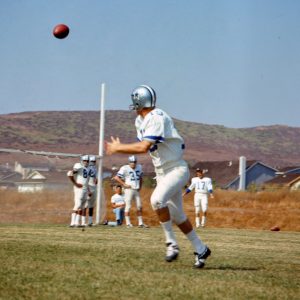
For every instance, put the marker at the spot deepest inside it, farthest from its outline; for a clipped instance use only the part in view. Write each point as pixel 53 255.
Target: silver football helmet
pixel 84 159
pixel 92 160
pixel 143 96
pixel 132 159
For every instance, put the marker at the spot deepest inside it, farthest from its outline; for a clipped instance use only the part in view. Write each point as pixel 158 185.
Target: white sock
pixel 140 219
pixel 196 242
pixel 197 221
pixel 203 220
pixel 127 219
pixel 90 220
pixel 73 219
pixel 83 220
pixel 169 233
pixel 77 219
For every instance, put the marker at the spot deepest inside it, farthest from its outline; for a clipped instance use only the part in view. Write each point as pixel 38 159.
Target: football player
pixel 158 136
pixel 203 187
pixel 79 176
pixel 92 191
pixel 130 177
pixel 118 204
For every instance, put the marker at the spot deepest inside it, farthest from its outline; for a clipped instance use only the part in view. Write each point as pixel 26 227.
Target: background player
pixel 203 187
pixel 92 193
pixel 130 176
pixel 79 176
pixel 157 134
pixel 118 204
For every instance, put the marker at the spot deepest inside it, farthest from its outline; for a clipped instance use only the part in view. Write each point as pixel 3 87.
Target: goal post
pixel 101 204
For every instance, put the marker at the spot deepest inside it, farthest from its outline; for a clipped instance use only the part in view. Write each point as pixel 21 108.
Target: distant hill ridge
pixel 68 130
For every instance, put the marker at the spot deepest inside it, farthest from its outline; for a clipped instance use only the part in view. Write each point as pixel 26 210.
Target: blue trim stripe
pixel 158 139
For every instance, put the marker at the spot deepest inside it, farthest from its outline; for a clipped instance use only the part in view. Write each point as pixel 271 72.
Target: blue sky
pixel 229 62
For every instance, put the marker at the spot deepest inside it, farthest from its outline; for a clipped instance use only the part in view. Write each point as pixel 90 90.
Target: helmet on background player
pixel 84 159
pixel 92 160
pixel 132 159
pixel 142 96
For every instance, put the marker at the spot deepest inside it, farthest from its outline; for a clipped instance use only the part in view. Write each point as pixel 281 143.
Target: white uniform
pixel 81 175
pixel 117 199
pixel 131 177
pixel 203 187
pixel 92 186
pixel 166 151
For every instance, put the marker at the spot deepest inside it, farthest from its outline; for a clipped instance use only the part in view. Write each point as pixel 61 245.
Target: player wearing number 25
pixel 203 187
pixel 130 177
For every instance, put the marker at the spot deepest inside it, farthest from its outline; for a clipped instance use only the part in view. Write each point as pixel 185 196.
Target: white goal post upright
pixel 100 192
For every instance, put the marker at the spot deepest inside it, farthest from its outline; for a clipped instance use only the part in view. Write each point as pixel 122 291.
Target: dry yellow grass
pixel 229 209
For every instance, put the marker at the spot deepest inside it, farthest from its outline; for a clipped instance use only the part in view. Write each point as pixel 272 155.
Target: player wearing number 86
pixel 79 176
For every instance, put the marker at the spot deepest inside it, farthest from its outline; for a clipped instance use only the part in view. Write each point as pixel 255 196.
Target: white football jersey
pixel 92 175
pixel 131 176
pixel 158 128
pixel 81 174
pixel 117 199
pixel 201 185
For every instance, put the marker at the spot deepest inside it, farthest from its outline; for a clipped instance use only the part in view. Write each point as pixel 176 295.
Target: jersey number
pixel 85 173
pixel 200 185
pixel 137 175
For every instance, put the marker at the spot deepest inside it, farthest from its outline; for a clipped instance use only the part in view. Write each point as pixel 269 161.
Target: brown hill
pixel 77 132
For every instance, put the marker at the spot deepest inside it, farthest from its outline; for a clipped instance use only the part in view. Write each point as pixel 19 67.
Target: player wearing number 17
pixel 158 136
pixel 203 187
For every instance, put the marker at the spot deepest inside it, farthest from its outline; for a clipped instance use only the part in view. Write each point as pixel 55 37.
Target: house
pixel 25 178
pixel 290 170
pixel 225 174
pixel 291 181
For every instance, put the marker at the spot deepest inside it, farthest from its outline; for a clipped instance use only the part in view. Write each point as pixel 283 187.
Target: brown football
pixel 61 31
pixel 275 228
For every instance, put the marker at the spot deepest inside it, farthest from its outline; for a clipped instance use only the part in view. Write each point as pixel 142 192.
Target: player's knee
pixel 156 203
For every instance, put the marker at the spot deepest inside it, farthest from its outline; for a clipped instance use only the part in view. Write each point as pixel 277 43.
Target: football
pixel 61 31
pixel 275 228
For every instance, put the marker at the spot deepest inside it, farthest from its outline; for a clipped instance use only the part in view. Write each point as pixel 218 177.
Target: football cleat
pixel 129 225
pixel 143 226
pixel 172 252
pixel 200 258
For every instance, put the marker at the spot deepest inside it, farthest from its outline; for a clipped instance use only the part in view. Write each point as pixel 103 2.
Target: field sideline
pixel 56 262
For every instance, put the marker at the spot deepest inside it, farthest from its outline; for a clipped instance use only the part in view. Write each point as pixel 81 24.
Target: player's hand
pixel 112 147
pixel 79 185
pixel 212 196
pixel 126 186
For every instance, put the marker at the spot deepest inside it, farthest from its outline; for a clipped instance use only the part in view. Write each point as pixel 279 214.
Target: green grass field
pixel 56 262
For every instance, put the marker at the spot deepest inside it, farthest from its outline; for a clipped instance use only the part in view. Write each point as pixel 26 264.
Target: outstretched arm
pixel 115 146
